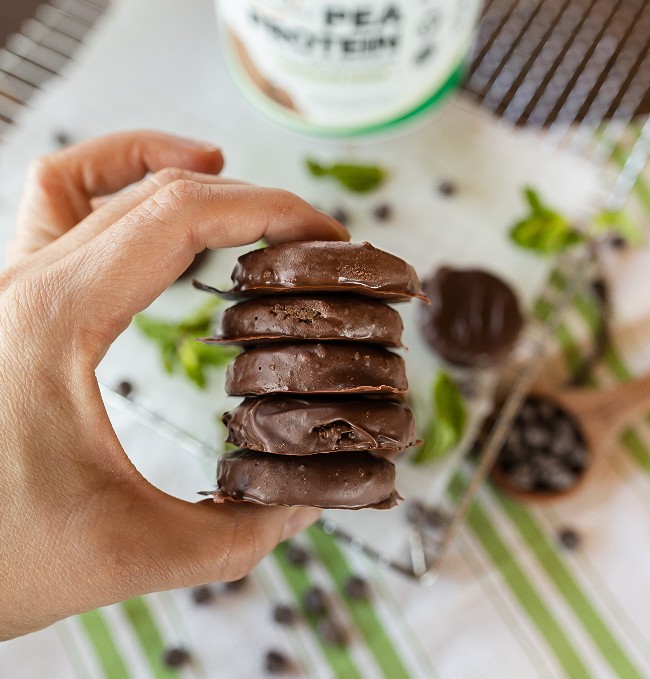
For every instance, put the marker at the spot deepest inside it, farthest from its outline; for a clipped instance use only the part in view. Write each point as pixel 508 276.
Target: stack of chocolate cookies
pixel 323 411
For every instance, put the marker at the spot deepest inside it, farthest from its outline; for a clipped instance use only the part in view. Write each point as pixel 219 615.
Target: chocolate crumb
pixel 341 215
pixel 357 588
pixel 383 212
pixel 62 138
pixel 447 188
pixel 124 388
pixel 314 601
pixel 236 585
pixel 175 657
pixel 569 538
pixel 331 633
pixel 284 615
pixel 202 595
pixel 296 556
pixel 618 242
pixel 276 662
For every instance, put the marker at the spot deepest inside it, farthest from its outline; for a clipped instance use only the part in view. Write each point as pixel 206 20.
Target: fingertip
pixel 298 520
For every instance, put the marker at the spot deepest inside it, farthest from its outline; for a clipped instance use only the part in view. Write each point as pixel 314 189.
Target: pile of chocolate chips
pixel 323 411
pixel 545 450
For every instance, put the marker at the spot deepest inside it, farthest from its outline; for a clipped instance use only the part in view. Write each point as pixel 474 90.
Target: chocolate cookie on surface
pixel 474 318
pixel 323 266
pixel 316 368
pixel 332 481
pixel 312 318
pixel 291 425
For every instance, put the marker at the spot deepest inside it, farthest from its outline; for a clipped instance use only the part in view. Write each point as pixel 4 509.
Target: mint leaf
pixel 178 347
pixel 620 223
pixel 354 177
pixel 447 424
pixel 544 230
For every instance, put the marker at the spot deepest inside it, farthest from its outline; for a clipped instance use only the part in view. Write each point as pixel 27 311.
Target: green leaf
pixel 354 177
pixel 179 348
pixel 447 424
pixel 618 222
pixel 544 231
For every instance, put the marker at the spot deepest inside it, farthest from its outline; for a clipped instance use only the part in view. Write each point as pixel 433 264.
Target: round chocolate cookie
pixel 314 318
pixel 332 481
pixel 291 425
pixel 323 266
pixel 318 368
pixel 474 318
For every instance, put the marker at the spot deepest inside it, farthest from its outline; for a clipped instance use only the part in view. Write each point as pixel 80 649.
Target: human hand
pixel 79 526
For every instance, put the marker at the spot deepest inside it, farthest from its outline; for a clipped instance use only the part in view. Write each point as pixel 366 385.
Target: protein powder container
pixel 346 68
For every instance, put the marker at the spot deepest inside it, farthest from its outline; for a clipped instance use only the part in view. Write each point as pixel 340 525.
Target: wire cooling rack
pixel 577 69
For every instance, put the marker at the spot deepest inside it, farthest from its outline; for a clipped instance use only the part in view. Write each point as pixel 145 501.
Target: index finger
pixel 122 270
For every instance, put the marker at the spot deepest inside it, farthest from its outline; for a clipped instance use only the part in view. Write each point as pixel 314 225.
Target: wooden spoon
pixel 600 414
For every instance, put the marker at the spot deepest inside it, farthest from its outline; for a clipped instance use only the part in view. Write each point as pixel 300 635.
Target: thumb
pixel 190 544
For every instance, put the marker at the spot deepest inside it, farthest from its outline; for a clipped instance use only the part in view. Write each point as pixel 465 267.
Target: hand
pixel 79 526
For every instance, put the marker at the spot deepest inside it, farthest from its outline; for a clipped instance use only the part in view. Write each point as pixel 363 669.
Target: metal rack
pixel 578 69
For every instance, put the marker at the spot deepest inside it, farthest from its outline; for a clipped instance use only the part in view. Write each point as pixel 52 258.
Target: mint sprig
pixel 447 423
pixel 354 177
pixel 544 230
pixel 178 347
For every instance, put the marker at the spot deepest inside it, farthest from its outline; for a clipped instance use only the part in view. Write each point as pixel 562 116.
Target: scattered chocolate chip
pixel 424 54
pixel 383 212
pixel 175 657
pixel 276 662
pixel 62 138
pixel 357 588
pixel 415 512
pixel 599 288
pixel 436 518
pixel 236 585
pixel 447 188
pixel 314 601
pixel 202 595
pixel 124 388
pixel 284 615
pixel 618 242
pixel 569 538
pixel 296 556
pixel 331 633
pixel 521 476
pixel 341 215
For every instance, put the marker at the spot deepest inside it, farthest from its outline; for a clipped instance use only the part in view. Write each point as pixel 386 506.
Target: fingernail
pixel 299 520
pixel 200 145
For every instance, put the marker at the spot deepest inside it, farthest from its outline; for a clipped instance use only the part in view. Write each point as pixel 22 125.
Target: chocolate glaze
pixel 332 481
pixel 319 368
pixel 291 425
pixel 316 317
pixel 322 266
pixel 474 318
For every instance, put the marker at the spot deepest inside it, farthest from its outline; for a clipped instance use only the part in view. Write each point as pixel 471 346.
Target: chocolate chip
pixel 415 512
pixel 569 538
pixel 357 588
pixel 296 556
pixel 424 54
pixel 175 657
pixel 552 475
pixel 276 662
pixel 236 585
pixel 436 518
pixel 447 188
pixel 202 595
pixel 618 242
pixel 522 477
pixel 537 436
pixel 331 633
pixel 284 615
pixel 62 138
pixel 383 212
pixel 341 215
pixel 124 388
pixel 599 288
pixel 314 601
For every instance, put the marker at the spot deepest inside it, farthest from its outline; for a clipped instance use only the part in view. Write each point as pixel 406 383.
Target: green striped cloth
pixel 511 602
